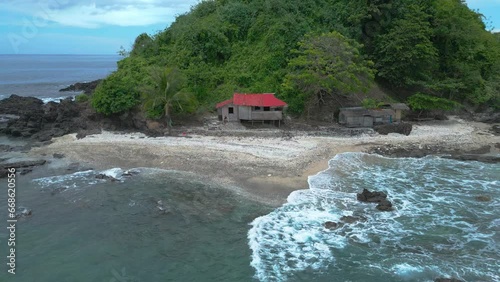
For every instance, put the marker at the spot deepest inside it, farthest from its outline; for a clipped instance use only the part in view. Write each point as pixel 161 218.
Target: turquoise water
pixel 168 226
pixel 97 230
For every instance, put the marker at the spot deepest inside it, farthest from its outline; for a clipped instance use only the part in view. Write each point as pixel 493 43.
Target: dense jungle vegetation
pixel 429 53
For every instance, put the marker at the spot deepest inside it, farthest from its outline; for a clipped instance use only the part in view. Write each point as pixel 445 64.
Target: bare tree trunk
pixel 169 120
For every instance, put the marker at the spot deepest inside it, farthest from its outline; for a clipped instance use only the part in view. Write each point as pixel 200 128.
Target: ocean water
pixel 439 227
pixel 162 225
pixel 42 76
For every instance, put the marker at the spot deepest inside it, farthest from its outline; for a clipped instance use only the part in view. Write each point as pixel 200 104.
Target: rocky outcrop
pixel 23 212
pixel 375 197
pixel 371 197
pixel 106 177
pixel 86 87
pixel 30 118
pixel 448 280
pixel 331 225
pixel 400 128
pixel 22 163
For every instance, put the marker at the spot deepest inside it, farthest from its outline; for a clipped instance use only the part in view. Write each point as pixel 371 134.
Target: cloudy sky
pixel 102 26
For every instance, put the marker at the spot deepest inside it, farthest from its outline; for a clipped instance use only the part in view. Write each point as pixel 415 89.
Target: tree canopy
pixel 299 48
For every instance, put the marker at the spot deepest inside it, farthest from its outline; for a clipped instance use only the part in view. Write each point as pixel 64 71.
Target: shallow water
pixel 88 229
pixel 161 225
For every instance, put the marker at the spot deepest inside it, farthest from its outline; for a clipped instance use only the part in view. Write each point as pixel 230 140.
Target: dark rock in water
pixel 448 280
pixel 106 177
pixel 331 225
pixel 483 198
pixel 130 172
pixel 26 171
pixel 371 197
pixel 83 133
pixel 86 87
pixel 384 205
pixel 57 190
pixel 472 157
pixel 161 207
pixel 58 156
pixel 375 197
pixel 351 219
pixel 22 164
pixel 401 128
pixel 23 212
pixel 3 172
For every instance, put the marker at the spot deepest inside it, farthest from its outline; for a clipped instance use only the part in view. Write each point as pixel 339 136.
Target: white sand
pixel 268 168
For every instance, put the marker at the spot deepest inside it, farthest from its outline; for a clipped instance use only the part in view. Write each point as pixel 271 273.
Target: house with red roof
pixel 251 107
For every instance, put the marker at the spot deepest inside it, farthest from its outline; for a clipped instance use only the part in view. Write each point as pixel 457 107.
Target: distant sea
pixel 42 76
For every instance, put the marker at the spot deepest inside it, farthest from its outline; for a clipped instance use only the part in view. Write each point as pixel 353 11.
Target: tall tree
pixel 326 64
pixel 164 93
pixel 405 55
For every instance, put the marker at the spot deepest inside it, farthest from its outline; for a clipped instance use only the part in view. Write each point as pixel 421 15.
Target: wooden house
pixel 251 107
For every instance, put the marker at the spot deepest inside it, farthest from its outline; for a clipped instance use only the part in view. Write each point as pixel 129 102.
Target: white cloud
pixel 94 14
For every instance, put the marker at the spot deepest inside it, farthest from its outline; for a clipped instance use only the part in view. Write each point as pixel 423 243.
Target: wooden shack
pixel 251 107
pixel 398 109
pixel 361 117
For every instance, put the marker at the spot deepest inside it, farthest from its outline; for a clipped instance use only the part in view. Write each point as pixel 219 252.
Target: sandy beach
pixel 265 169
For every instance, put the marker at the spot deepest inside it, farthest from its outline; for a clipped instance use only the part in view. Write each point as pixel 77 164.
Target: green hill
pixel 310 52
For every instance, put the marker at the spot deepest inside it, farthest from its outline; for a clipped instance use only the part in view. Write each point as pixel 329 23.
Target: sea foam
pixel 438 228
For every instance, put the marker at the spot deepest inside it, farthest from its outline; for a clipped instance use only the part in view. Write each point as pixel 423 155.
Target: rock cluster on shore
pixel 86 87
pixel 29 117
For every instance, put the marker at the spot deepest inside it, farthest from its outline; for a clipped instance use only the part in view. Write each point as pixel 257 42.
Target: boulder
pixel 483 198
pixel 351 219
pixel 384 205
pixel 401 128
pixel 23 212
pixel 106 177
pixel 331 225
pixel 371 197
pixel 375 197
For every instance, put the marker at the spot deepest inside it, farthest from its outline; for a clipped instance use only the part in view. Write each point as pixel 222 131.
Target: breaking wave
pixel 445 223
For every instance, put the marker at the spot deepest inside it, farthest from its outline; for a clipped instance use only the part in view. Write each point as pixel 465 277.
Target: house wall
pixel 397 118
pixel 268 115
pixel 230 117
pixel 245 112
pixel 359 121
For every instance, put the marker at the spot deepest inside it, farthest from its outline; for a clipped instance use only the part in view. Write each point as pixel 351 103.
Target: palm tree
pixel 164 94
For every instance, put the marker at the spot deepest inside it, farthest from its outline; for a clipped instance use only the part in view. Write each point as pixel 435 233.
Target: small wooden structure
pixel 398 109
pixel 361 117
pixel 251 107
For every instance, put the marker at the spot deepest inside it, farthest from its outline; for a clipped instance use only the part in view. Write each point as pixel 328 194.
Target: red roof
pixel 253 100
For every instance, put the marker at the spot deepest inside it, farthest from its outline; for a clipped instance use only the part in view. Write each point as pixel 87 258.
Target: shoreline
pixel 266 169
